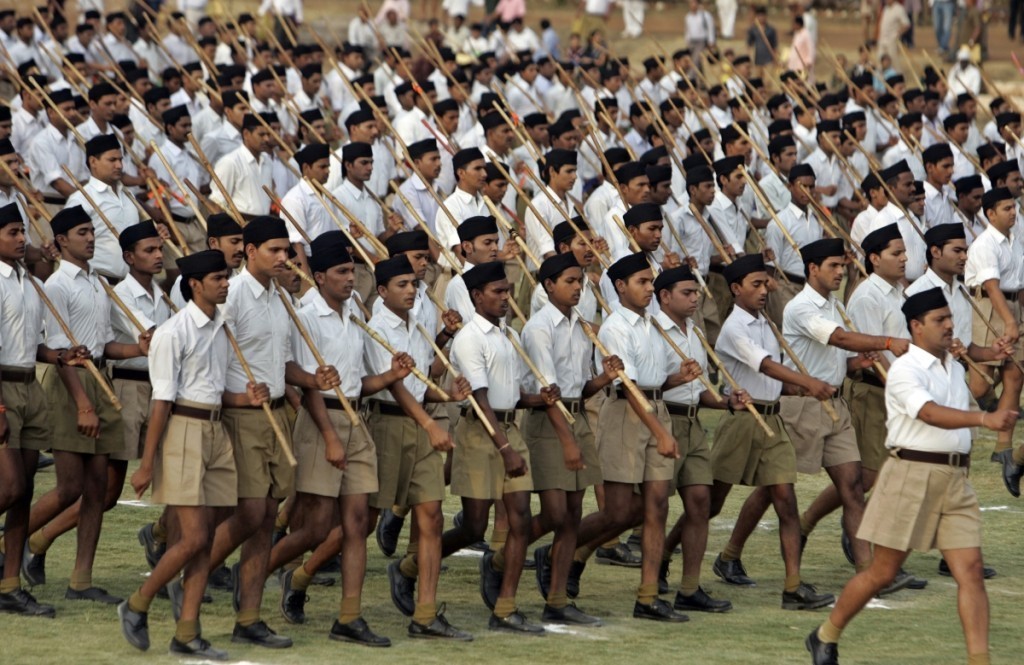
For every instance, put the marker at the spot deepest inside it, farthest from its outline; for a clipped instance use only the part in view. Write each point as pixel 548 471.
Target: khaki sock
pixel 38 543
pixel 978 659
pixel 159 532
pixel 281 521
pixel 10 584
pixel 81 581
pixel 862 566
pixel 498 539
pixel 301 579
pixel 828 633
pixel 689 585
pixel 646 593
pixel 139 603
pixel 614 542
pixel 582 554
pixel 805 526
pixel 3 546
pixel 638 532
pixel 408 566
pixel 504 607
pixel 731 552
pixel 425 613
pixel 792 583
pixel 498 562
pixel 666 554
pixel 400 511
pixel 186 630
pixel 246 618
pixel 1018 454
pixel 557 600
pixel 350 610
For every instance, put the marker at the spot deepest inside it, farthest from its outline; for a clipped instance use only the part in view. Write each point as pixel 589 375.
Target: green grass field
pixel 909 627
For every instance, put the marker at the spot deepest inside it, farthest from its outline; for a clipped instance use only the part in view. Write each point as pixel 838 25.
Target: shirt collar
pixel 73 271
pixel 253 284
pixel 925 359
pixel 884 286
pixel 136 289
pixel 745 317
pixel 358 194
pixel 486 326
pixel 200 318
pixel 6 270
pixel 632 317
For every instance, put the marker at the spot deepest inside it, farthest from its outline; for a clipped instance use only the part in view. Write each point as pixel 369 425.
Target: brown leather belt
pixel 130 374
pixel 945 459
pixel 213 415
pixel 334 404
pixel 14 375
pixel 979 292
pixel 54 200
pixel 274 404
pixel 182 220
pixel 503 417
pixel 573 406
pixel 649 393
pixel 387 408
pixel 685 410
pixel 799 280
pixel 766 409
pixel 871 380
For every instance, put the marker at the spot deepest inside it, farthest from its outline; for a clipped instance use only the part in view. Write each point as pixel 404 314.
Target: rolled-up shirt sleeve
pixel 163 351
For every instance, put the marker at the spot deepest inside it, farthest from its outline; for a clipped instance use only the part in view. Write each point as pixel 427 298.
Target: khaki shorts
pixel 195 465
pixel 723 297
pixel 819 442
pixel 548 463
pixel 867 411
pixel 263 467
pixel 694 464
pixel 64 414
pixel 708 317
pixel 135 397
pixel 315 475
pixel 628 450
pixel 982 336
pixel 478 471
pixel 194 235
pixel 28 419
pixel 743 454
pixel 366 285
pixel 922 506
pixel 779 298
pixel 409 470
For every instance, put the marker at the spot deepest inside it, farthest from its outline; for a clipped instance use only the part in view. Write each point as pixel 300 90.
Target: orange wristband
pixel 888 344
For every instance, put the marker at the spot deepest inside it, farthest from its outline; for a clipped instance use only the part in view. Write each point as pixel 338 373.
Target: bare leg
pixel 517 511
pixel 70 468
pixel 694 527
pixel 318 515
pixel 428 521
pixel 354 519
pixel 866 584
pixel 655 497
pixel 751 513
pixel 255 557
pixel 846 480
pixel 21 465
pixel 783 497
pixel 90 520
pixel 972 600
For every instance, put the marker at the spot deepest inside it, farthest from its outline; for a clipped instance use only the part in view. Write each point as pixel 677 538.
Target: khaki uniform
pixel 66 437
pixel 478 471
pixel 264 469
pixel 818 440
pixel 548 469
pixel 409 470
pixel 195 466
pixel 743 453
pixel 135 399
pixel 28 418
pixel 694 464
pixel 314 475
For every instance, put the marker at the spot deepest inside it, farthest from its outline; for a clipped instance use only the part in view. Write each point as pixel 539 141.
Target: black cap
pixel 420 148
pixel 10 214
pixel 535 120
pixel 627 266
pixel 658 174
pixel 407 241
pixel 629 171
pixel 727 165
pixel 559 157
pixel 174 114
pixel 492 120
pixel 356 150
pixel 495 171
pixel 641 213
pixel 908 119
pixel 778 144
pixel 940 233
pixel 994 197
pixel 828 126
pixel 801 171
pixel 327 250
pixel 671 277
pixel 465 156
pixel 135 233
pixel 485 273
pixel 474 227
pixel 954 119
pixel 894 171
pixel 819 250
pixel 923 302
pixel 1002 169
pixel 358 118
pixel 221 224
pixel 879 239
pixel 743 266
pixel 937 152
pixel 264 228
pixel 201 263
pixel 392 267
pixel 69 218
pixel 968 184
pixel 100 144
pixel 698 175
pixel 564 232
pixel 1007 118
pixel 553 266
pixel 312 153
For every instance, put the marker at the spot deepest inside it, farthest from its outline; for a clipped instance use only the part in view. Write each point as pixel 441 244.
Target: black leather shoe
pixel 236 587
pixel 197 647
pixel 490 580
pixel 389 528
pixel 570 615
pixel 220 579
pixel 572 583
pixel 663 586
pixel 700 601
pixel 635 543
pixel 175 594
pixel 93 593
pixel 732 572
pixel 403 590
pixel 620 555
pixel 332 567
pixel 902 579
pixel 542 569
pixel 479 546
pixel 659 610
pixel 44 462
pixel 22 602
pixel 916 583
pixel 803 544
pixel 1011 472
pixel 154 550
pixel 806 597
pixel 260 635
pixel 822 653
pixel 988 572
pixel 847 544
pixel 514 623
pixel 439 629
pixel 357 632
pixel 33 567
pixel 293 601
pixel 134 626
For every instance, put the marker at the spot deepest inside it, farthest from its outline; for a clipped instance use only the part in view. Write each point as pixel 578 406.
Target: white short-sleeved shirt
pixel 802 227
pixel 483 354
pixel 743 344
pixel 403 336
pixel 120 212
pixel 185 167
pixel 306 207
pixel 994 255
pixel 148 307
pixel 243 176
pixel 340 342
pixel 957 299
pixel 462 206
pixel 538 233
pixel 21 318
pixel 188 358
pixel 635 341
pixel 728 221
pixel 587 306
pixel 81 302
pixel 689 343
pixel 261 326
pixel 938 205
pixel 560 349
pixel 912 240
pixel 915 379
pixel 876 309
pixel 807 324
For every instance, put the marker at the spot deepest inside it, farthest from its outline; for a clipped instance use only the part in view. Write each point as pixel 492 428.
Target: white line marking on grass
pixel 473 554
pixel 876 604
pixel 566 630
pixel 135 503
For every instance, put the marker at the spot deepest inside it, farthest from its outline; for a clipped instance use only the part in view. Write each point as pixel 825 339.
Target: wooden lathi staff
pixel 685 358
pixel 730 380
pixel 621 375
pixel 988 324
pixel 799 365
pixel 455 374
pixel 390 349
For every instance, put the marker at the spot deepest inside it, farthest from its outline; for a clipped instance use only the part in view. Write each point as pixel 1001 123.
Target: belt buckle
pixel 215 415
pixel 954 459
pixel 573 406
